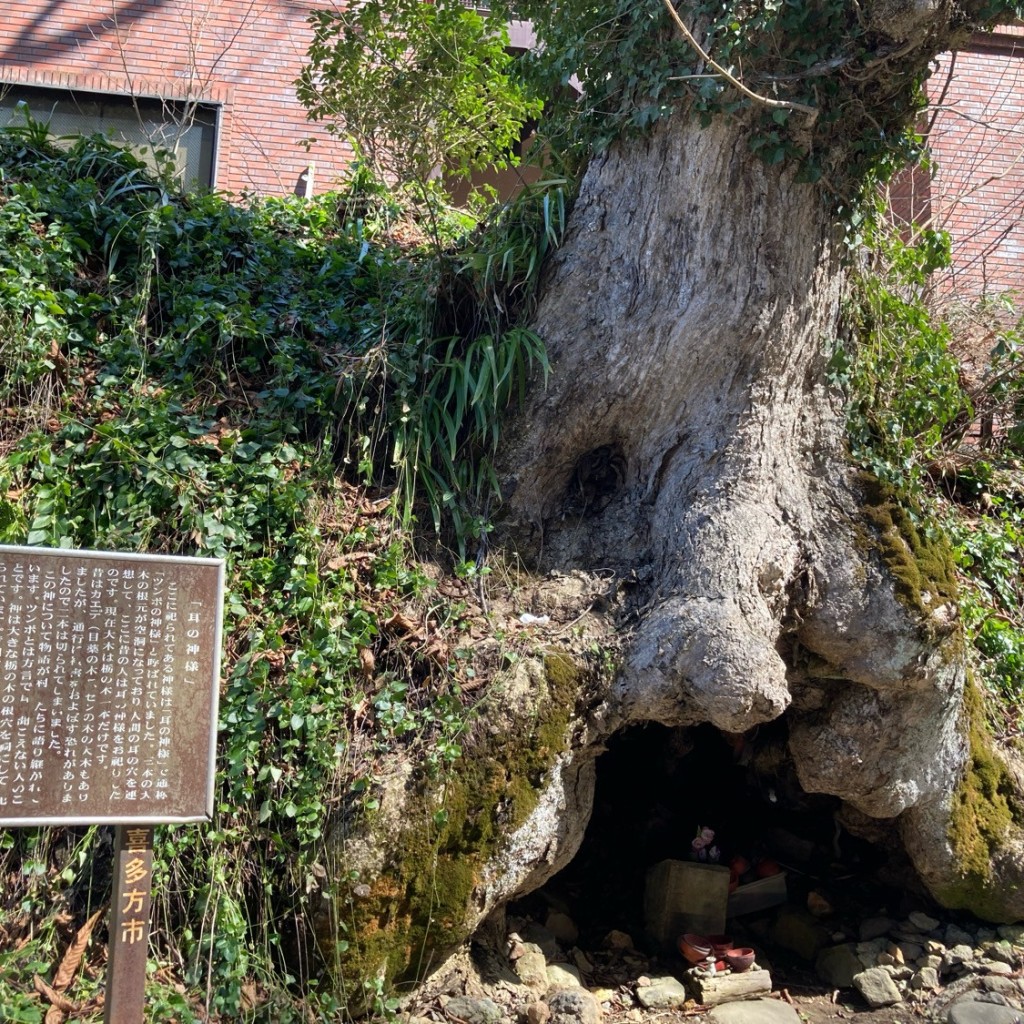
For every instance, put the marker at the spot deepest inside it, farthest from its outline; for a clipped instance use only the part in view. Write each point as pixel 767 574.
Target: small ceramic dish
pixel 740 959
pixel 695 948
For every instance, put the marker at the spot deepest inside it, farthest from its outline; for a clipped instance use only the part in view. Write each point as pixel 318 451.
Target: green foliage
pixel 185 376
pixel 988 547
pixel 417 87
pixel 915 423
pixel 635 69
pixel 430 407
pixel 903 380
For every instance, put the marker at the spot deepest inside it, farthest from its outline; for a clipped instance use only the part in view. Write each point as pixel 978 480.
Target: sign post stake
pixel 130 911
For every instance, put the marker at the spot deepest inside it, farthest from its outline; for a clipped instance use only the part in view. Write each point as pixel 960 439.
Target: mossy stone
pixel 419 909
pixel 984 809
pixel 921 564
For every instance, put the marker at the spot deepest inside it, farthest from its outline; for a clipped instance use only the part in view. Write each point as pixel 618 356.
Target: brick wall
pixel 241 54
pixel 977 139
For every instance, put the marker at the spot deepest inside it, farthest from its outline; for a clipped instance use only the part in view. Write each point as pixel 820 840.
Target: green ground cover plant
pixel 287 385
pixel 949 443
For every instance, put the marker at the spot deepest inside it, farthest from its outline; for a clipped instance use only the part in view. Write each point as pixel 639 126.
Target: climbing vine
pixel 857 67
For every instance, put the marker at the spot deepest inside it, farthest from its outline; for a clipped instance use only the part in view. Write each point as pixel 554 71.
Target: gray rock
pixel 573 1006
pixel 1008 988
pixel 922 922
pixel 956 956
pixel 473 1011
pixel 875 928
pixel 1003 952
pixel 538 1013
pixel 986 935
pixel 1012 933
pixel 800 933
pixel 956 936
pixel 984 995
pixel 837 965
pixel 531 968
pixel 563 927
pixel 582 961
pixel 563 976
pixel 972 1010
pixel 754 1011
pixel 997 967
pixel 898 972
pixel 540 936
pixel 617 940
pixel 877 988
pixel 926 979
pixel 911 951
pixel 869 952
pixel 662 994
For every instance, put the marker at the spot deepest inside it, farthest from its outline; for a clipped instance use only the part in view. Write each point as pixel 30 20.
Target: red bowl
pixel 740 865
pixel 695 948
pixel 720 944
pixel 740 959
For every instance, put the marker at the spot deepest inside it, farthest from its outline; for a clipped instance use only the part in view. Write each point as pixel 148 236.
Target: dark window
pixel 188 131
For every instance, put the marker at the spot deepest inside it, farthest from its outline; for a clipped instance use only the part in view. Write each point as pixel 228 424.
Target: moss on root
pixel 419 909
pixel 982 814
pixel 921 566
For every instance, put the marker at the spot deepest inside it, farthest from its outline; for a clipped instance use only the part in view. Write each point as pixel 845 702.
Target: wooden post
pixel 131 904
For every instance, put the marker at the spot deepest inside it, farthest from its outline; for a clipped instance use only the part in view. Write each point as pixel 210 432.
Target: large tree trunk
pixel 688 443
pixel 685 433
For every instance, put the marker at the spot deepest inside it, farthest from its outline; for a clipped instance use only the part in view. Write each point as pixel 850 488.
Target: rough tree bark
pixel 688 437
pixel 685 428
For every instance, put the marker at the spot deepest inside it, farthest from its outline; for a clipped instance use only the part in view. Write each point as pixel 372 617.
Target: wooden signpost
pixel 109 680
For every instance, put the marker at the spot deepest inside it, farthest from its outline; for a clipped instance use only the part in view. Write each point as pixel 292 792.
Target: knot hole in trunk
pixel 598 476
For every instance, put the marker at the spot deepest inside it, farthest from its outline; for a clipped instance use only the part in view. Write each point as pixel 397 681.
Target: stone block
pixel 837 965
pixel 877 988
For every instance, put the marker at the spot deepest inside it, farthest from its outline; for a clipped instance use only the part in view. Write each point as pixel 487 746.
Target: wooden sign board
pixel 109 679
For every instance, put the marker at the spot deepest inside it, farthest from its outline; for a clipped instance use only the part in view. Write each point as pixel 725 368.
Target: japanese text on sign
pixel 108 671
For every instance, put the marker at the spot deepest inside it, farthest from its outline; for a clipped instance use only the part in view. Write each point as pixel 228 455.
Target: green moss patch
pixel 418 910
pixel 984 808
pixel 921 564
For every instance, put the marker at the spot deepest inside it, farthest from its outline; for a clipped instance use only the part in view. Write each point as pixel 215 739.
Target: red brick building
pixel 976 190
pixel 211 78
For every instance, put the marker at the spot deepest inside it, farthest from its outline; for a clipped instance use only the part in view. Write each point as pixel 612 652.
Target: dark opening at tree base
pixel 657 788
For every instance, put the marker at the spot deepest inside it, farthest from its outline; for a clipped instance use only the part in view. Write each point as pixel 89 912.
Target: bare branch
pixel 811 112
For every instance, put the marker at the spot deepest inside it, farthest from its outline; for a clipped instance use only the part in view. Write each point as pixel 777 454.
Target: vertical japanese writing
pixel 8 682
pixel 129 925
pixel 100 660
